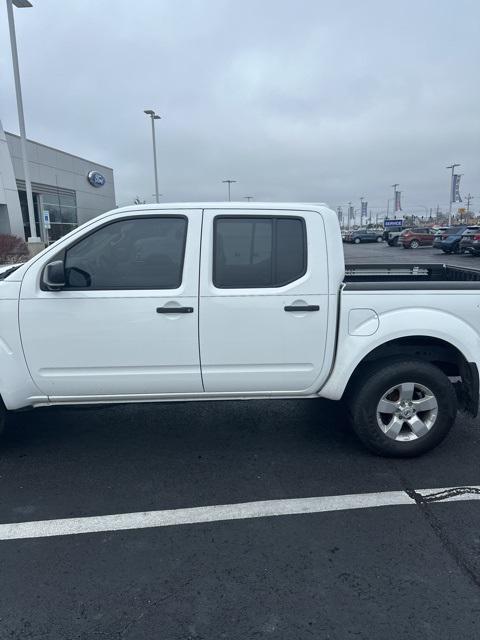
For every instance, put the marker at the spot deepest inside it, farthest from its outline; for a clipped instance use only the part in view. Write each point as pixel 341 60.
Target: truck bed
pixel 376 277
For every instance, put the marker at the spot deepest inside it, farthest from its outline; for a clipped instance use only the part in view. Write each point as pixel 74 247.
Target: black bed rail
pixel 419 272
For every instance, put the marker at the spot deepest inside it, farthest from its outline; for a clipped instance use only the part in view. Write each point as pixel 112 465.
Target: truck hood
pixel 6 267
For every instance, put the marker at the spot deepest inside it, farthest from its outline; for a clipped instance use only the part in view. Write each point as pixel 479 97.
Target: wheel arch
pixel 446 352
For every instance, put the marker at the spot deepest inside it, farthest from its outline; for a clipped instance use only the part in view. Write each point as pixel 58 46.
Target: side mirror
pixel 54 275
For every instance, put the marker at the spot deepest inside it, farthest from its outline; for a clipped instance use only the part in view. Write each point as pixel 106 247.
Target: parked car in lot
pixel 417 237
pixel 392 237
pixel 470 242
pixel 364 235
pixel 449 240
pixel 220 301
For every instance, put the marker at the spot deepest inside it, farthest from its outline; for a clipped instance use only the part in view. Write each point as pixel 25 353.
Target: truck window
pixel 258 252
pixel 135 253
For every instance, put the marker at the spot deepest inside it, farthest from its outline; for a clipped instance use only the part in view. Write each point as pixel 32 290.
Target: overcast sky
pixel 303 100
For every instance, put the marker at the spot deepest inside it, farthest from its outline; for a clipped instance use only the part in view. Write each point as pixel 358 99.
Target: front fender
pixel 399 323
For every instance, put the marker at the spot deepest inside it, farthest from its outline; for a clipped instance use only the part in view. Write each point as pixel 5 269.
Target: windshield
pixel 451 231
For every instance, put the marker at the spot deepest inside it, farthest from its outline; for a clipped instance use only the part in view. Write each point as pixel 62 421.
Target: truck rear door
pixel 263 300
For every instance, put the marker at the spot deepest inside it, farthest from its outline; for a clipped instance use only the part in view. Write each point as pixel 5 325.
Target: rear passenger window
pixel 257 252
pixel 135 253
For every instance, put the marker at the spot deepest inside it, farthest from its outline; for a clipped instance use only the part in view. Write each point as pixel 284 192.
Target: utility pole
pixel 153 117
pixel 452 167
pixel 229 183
pixel 469 198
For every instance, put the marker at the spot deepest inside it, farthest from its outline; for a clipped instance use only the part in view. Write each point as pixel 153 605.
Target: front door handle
pixel 307 307
pixel 174 309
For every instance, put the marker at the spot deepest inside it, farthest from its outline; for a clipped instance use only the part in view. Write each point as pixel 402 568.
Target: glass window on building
pixel 62 208
pixel 22 195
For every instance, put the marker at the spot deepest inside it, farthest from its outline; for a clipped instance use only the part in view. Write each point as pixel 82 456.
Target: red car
pixel 417 237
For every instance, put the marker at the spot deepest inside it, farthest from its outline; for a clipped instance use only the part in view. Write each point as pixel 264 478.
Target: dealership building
pixel 67 190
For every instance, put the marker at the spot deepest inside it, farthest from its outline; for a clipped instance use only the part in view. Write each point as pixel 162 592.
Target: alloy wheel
pixel 407 411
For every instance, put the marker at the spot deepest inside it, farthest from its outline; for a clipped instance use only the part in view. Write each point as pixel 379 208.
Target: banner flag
pixel 398 204
pixel 364 209
pixel 456 188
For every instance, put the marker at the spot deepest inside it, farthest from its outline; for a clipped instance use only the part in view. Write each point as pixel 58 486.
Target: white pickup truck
pixel 232 301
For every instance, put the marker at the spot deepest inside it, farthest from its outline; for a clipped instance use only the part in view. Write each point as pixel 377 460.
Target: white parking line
pixel 241 511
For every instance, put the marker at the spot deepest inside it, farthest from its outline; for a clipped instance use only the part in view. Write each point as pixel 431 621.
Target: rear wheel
pixel 379 239
pixel 403 408
pixel 414 244
pixel 357 241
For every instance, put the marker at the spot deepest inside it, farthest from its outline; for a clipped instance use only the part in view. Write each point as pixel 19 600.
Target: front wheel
pixel 403 408
pixel 357 241
pixel 414 244
pixel 379 239
pixel 3 417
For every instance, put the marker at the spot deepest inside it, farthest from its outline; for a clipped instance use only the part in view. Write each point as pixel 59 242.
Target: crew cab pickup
pixel 233 301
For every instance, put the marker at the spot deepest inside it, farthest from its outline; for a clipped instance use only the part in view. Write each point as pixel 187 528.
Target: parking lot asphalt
pixel 371 252
pixel 405 571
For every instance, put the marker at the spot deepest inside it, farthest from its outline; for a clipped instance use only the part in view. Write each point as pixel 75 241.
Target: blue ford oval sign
pixel 96 179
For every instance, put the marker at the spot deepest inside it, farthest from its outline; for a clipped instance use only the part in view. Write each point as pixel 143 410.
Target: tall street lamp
pixel 153 117
pixel 22 4
pixel 229 183
pixel 452 195
pixel 394 186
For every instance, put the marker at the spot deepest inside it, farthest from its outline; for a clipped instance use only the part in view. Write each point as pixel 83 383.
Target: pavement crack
pixel 424 502
pixel 447 494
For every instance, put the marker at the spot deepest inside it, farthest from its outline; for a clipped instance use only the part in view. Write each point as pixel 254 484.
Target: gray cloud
pixel 297 100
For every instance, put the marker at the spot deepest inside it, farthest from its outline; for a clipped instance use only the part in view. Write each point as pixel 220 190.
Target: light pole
pixel 22 4
pixel 153 117
pixel 228 182
pixel 469 198
pixel 452 167
pixel 395 198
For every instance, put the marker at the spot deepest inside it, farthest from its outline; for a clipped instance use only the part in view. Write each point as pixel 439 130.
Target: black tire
pixel 414 244
pixel 370 386
pixel 3 417
pixel 379 239
pixel 357 241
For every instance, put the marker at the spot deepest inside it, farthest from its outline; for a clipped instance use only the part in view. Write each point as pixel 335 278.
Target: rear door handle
pixel 307 307
pixel 174 309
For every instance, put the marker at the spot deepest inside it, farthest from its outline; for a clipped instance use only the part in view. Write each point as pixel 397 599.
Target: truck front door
pixel 126 323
